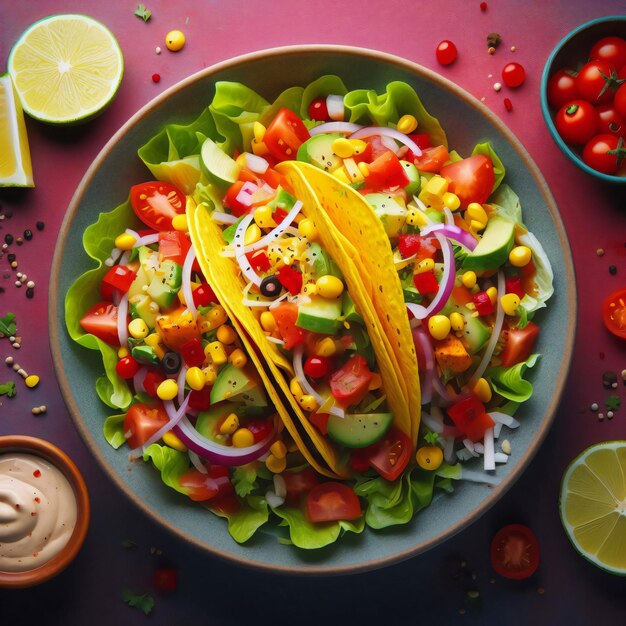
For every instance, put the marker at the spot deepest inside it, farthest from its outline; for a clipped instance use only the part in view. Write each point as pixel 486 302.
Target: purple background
pixel 424 588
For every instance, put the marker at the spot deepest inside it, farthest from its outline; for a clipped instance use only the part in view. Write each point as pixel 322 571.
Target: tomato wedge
pixel 101 321
pixel 350 383
pixel 386 171
pixel 519 344
pixel 156 204
pixel 286 314
pixel 432 159
pixel 391 454
pixel 299 483
pixel 284 135
pixel 142 421
pixel 515 552
pixel 614 313
pixel 332 502
pixel 470 179
pixel 200 487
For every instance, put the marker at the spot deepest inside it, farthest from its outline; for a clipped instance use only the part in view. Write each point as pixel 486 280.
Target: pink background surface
pixel 219 593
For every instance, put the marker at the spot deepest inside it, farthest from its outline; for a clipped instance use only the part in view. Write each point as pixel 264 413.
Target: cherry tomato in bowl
pixel 614 313
pixel 562 88
pixel 612 50
pixel 515 552
pixel 604 153
pixel 577 122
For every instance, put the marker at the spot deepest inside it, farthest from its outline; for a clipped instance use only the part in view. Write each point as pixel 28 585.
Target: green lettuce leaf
pixel 506 202
pixel 244 479
pixel 544 275
pixel 209 195
pixel 510 383
pixel 171 463
pixel 114 430
pixel 251 515
pixel 498 166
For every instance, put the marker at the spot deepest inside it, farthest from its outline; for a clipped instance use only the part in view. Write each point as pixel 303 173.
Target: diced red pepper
pixel 117 281
pixel 237 207
pixel 259 260
pixel 426 283
pixel 470 417
pixel 260 429
pixel 483 303
pixel 514 285
pixel 279 215
pixel 192 352
pixel 320 421
pixel 290 279
pixel 204 295
pixel 200 400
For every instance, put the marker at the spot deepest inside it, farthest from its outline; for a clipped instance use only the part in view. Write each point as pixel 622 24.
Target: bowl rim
pixel 545 107
pixel 54 455
pixel 498 491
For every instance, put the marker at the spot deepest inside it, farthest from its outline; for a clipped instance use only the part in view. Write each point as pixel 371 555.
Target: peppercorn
pixel 609 380
pixel 612 270
pixel 493 40
pixel 8 238
pixel 28 234
pixel 40 225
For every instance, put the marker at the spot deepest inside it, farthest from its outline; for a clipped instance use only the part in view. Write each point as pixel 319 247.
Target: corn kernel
pixel 358 145
pixel 341 174
pixel 492 292
pixel 325 347
pixel 268 322
pixel 308 403
pixel 415 217
pixel 153 339
pixel 407 124
pixel 457 321
pixel 475 226
pixel 259 148
pixel 425 265
pixel 482 390
pixel 520 256
pixel 210 374
pixel 238 358
pixel 125 241
pixel 168 389
pixel 229 425
pixel 376 382
pixel 295 388
pixel 307 228
pixel 263 217
pixel 179 222
pixel 329 286
pixel 364 169
pixel 309 289
pixel 243 438
pixel 451 200
pixel 275 465
pixel 278 449
pixel 195 378
pixel 226 334
pixel 510 303
pixel 138 328
pixel 171 440
pixel 432 193
pixel 476 212
pixel 342 147
pixel 253 234
pixel 122 352
pixel 258 130
pixel 214 318
pixel 469 279
pixel 439 326
pixel 31 381
pixel 215 351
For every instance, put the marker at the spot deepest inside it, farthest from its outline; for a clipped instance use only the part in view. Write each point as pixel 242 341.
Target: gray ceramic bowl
pixel 117 168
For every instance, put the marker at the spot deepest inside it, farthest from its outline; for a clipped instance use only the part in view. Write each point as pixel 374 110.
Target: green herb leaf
pixel 431 438
pixel 142 12
pixel 613 403
pixel 244 480
pixel 8 389
pixel 144 602
pixel 7 325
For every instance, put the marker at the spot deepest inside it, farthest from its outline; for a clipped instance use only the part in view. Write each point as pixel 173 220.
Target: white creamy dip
pixel 37 511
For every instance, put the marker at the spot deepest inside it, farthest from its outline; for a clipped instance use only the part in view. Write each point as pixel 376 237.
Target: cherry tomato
pixel 446 52
pixel 318 366
pixel 284 135
pixel 142 421
pixel 299 483
pixel 513 74
pixel 286 314
pixel 391 454
pixel 577 122
pixel 318 110
pixel 614 312
pixel 470 179
pixel 126 367
pixel 117 281
pixel 101 321
pixel 204 295
pixel 470 417
pixel 331 502
pixel 604 153
pixel 610 49
pixel 620 101
pixel 515 552
pixel 593 83
pixel 609 121
pixel 156 204
pixel 165 579
pixel 518 344
pixel 562 88
pixel 350 383
pixel 260 429
pixel 200 487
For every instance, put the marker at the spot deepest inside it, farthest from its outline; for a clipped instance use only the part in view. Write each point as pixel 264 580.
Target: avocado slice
pixel 358 430
pixel 320 315
pixel 208 422
pixel 148 264
pixel 391 211
pixel 348 310
pixel 237 385
pixel 493 249
pixel 475 333
pixel 217 165
pixel 145 354
pixel 141 306
pixel 322 263
pixel 413 188
pixel 318 151
pixel 166 284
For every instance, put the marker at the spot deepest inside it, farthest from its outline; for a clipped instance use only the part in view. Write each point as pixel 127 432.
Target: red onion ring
pixel 368 131
pixel 453 232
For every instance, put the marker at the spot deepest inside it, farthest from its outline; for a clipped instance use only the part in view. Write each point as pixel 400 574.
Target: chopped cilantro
pixel 431 438
pixel 7 325
pixel 144 602
pixel 613 403
pixel 8 389
pixel 244 480
pixel 142 12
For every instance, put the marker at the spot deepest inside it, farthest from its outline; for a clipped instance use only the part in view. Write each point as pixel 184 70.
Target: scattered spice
pixel 594 406
pixel 483 6
pixel 156 78
pixel 158 50
pixel 612 270
pixel 513 48
pixel 40 225
pixel 508 105
pixel 493 40
pixel 600 251
pixel 491 50
pixel 28 234
pixel 623 373
pixel 30 292
pixel 8 239
pixel 497 86
pixel 609 379
pixel 39 410
pixel 19 241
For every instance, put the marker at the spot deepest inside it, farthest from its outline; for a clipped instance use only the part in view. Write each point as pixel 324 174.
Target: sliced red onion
pixel 196 461
pixel 180 382
pixel 186 281
pixel 426 363
pixel 495 334
pixel 448 216
pixel 383 131
pixel 489 460
pixel 138 379
pixel 454 232
pixel 335 127
pixel 223 218
pixel 335 107
pixel 122 321
pixel 503 418
pixel 245 193
pixel 256 163
pixel 217 453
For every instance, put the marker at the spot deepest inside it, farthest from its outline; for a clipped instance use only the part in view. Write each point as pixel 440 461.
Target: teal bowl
pixel 106 184
pixel 569 52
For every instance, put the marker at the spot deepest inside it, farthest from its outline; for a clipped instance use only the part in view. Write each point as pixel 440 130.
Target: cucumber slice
pixel 358 430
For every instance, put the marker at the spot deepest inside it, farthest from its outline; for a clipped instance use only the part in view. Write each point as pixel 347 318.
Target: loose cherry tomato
pixel 513 74
pixel 577 122
pixel 284 135
pixel 610 49
pixel 614 313
pixel 446 52
pixel 101 321
pixel 173 245
pixel 117 281
pixel 594 82
pixel 286 314
pixel 142 421
pixel 126 367
pixel 318 366
pixel 620 100
pixel 470 417
pixel 200 487
pixel 156 204
pixel 515 552
pixel 165 579
pixel 204 295
pixel 609 121
pixel 350 383
pixel 562 88
pixel 470 179
pixel 518 344
pixel 318 110
pixel 299 483
pixel 391 454
pixel 331 502
pixel 432 159
pixel 604 153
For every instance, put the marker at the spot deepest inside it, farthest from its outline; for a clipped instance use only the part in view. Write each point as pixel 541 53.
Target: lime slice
pixel 66 68
pixel 217 165
pixel 593 505
pixel 15 166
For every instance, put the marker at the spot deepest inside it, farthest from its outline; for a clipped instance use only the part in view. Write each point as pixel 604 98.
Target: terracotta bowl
pixel 58 458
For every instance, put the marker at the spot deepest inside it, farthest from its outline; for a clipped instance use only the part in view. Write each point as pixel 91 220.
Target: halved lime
pixel 15 165
pixel 66 68
pixel 593 505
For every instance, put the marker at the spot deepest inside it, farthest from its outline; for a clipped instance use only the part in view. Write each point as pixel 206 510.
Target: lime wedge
pixel 15 166
pixel 217 165
pixel 66 68
pixel 593 505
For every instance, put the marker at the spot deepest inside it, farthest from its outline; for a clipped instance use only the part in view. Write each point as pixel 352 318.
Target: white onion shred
pixel 196 461
pixel 448 449
pixel 435 425
pixel 280 342
pixel 256 163
pixel 335 127
pixel 449 217
pixel 146 240
pixel 180 381
pixel 368 131
pixel 479 477
pixel 186 281
pixel 280 487
pixel 252 303
pixel 497 429
pixel 240 256
pixel 223 218
pixel 489 458
pixel 274 500
pixel 503 418
pixel 500 457
pixel 335 107
pixel 122 324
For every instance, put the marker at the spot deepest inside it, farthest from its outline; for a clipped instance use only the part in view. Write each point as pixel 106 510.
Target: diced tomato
pixel 320 421
pixel 200 400
pixel 426 283
pixel 142 421
pixel 421 139
pixel 470 179
pixel 432 159
pixel 408 245
pixel 518 344
pixel 200 487
pixel 390 455
pixel 284 135
pixel 470 417
pixel 514 285
pixel 259 260
pixel 279 215
pixel 286 314
pixel 359 460
pixel 290 279
pixel 461 295
pixel 101 321
pixel 236 207
pixel 156 204
pixel 173 245
pixel 204 295
pixel 260 429
pixel 299 483
pixel 386 171
pixel 192 352
pixel 117 281
pixel 350 383
pixel 151 381
pixel 483 303
pixel 331 502
pixel 165 579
